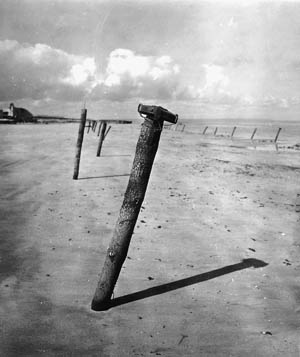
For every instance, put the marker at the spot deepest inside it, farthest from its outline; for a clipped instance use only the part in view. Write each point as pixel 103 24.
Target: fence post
pixel 89 126
pixel 215 132
pixel 277 135
pixel 102 136
pixel 146 149
pixel 233 131
pixel 107 131
pixel 79 143
pixel 100 124
pixel 252 136
pixel 204 131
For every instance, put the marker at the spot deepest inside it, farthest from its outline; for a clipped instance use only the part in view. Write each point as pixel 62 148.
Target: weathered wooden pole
pixel 215 132
pixel 252 136
pixel 146 148
pixel 183 127
pixel 277 135
pixel 99 128
pixel 79 143
pixel 94 125
pixel 89 126
pixel 102 137
pixel 204 131
pixel 233 131
pixel 107 131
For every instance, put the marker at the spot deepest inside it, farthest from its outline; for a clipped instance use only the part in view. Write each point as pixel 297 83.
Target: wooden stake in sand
pixel 252 136
pixel 204 131
pixel 215 132
pixel 89 126
pixel 146 148
pixel 277 135
pixel 233 131
pixel 102 137
pixel 107 131
pixel 79 143
pixel 99 128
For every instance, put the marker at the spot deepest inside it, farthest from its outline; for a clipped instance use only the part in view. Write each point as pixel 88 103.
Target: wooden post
pixel 233 131
pixel 254 131
pixel 79 143
pixel 107 131
pixel 215 132
pixel 204 131
pixel 102 136
pixel 94 125
pixel 277 135
pixel 99 128
pixel 146 149
pixel 89 126
pixel 183 127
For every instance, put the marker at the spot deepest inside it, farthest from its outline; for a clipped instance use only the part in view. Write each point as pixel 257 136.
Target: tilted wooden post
pixel 204 131
pixel 107 131
pixel 215 132
pixel 277 135
pixel 252 136
pixel 89 126
pixel 79 143
pixel 146 148
pixel 233 131
pixel 102 136
pixel 99 128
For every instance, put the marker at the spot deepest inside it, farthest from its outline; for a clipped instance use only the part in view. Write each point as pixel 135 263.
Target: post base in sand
pixel 101 306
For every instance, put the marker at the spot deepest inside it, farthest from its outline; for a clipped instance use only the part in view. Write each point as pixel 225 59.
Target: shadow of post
pixel 101 177
pixel 164 288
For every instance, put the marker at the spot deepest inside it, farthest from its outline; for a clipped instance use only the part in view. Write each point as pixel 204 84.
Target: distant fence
pixel 280 136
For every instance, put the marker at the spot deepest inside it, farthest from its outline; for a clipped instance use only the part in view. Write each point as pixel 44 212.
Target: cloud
pixel 216 87
pixel 40 71
pixel 271 101
pixel 130 75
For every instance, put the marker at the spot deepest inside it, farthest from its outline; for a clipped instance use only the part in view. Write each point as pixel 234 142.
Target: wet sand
pixel 213 266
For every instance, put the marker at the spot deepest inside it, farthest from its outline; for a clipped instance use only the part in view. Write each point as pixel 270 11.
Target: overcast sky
pixel 238 59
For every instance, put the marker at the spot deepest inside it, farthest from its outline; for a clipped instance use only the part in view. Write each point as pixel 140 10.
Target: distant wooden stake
pixel 233 131
pixel 146 149
pixel 89 126
pixel 277 135
pixel 99 128
pixel 183 127
pixel 204 131
pixel 254 131
pixel 215 132
pixel 107 131
pixel 94 125
pixel 102 136
pixel 79 143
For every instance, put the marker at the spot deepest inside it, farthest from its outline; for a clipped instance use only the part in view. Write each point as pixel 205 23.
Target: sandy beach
pixel 213 266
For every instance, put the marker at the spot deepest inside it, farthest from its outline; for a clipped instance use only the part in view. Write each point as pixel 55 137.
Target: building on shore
pixel 16 114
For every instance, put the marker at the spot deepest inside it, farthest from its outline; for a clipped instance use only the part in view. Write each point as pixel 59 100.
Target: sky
pixel 200 59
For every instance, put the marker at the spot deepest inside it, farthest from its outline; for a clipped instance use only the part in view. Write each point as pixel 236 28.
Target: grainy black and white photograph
pixel 150 178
